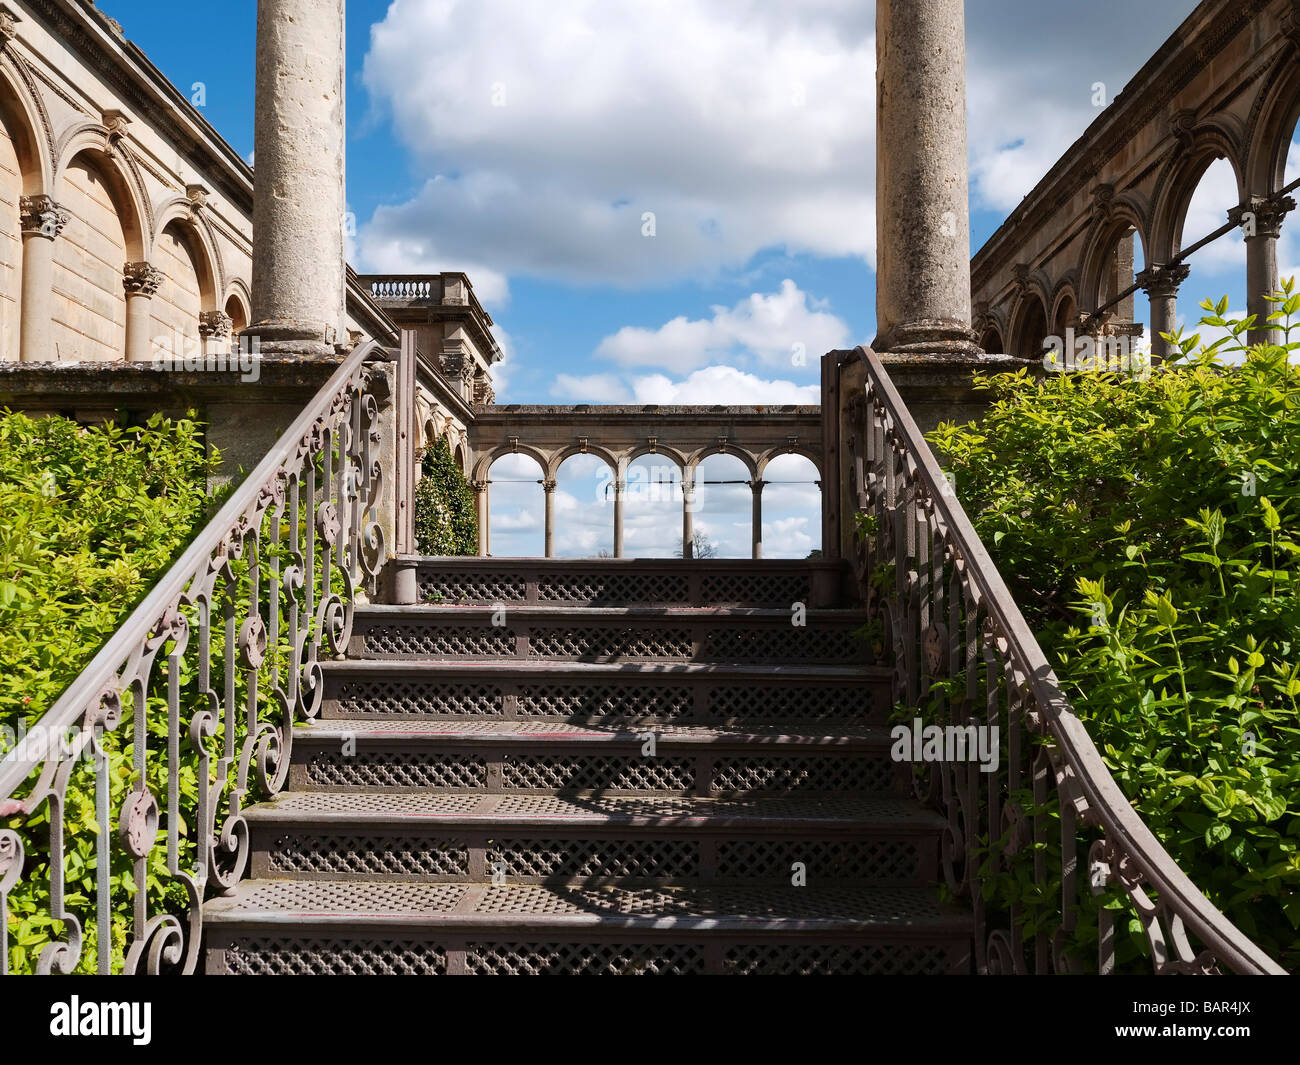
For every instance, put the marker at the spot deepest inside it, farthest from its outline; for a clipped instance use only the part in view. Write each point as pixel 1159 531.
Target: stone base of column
pixel 284 336
pixel 938 387
pixel 932 336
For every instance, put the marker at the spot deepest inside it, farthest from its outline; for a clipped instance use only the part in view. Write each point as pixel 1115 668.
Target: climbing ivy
pixel 446 521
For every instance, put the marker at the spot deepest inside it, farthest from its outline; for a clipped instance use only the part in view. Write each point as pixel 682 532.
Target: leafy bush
pixel 1150 531
pixel 89 519
pixel 446 520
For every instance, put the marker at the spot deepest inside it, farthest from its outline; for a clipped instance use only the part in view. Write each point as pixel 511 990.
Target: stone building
pixel 126 226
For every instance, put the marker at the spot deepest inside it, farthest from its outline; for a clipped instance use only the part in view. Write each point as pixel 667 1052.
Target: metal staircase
pixel 598 767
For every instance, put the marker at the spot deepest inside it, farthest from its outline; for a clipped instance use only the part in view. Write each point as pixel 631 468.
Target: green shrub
pixel 1150 532
pixel 446 520
pixel 89 519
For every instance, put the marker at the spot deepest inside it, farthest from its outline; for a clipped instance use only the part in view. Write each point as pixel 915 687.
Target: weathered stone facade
pixel 1225 85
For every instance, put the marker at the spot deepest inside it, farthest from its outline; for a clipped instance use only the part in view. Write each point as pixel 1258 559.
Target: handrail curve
pixel 946 587
pixel 208 674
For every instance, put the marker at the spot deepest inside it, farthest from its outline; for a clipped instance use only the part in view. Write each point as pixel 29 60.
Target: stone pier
pixel 298 200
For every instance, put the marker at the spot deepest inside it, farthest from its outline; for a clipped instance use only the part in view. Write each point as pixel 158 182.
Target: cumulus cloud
pixel 712 384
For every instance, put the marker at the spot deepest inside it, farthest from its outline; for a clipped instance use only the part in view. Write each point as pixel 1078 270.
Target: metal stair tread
pixel 358 904
pixel 400 668
pixel 477 731
pixel 883 812
pixel 460 612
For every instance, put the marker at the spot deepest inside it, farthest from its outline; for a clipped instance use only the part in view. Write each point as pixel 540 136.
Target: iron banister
pixel 1132 845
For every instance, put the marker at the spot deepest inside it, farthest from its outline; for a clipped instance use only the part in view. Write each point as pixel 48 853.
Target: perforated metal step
pixel 591 693
pixel 625 634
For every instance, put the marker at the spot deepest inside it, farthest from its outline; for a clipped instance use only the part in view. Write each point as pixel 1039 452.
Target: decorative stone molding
pixel 1182 124
pixel 9 20
pixel 479 486
pixel 1291 24
pixel 42 216
pixel 1267 215
pixel 115 122
pixel 1161 280
pixel 215 324
pixel 549 485
pixel 142 279
pixel 198 197
pixel 1103 198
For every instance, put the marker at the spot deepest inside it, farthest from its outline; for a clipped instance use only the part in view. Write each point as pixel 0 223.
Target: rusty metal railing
pixel 149 758
pixel 943 609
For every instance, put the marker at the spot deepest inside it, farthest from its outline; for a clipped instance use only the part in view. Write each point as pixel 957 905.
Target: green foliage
pixel 1150 532
pixel 89 519
pixel 446 520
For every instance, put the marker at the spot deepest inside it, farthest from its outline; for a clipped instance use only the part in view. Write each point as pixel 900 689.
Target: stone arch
pixel 1099 251
pixel 696 457
pixel 93 141
pixel 1029 324
pixel 991 332
pixel 179 215
pixel 676 457
pixel 1177 187
pixel 459 455
pixel 483 463
pixel 1064 310
pixel 1272 122
pixel 185 292
pixel 28 124
pixel 88 308
pixel 599 451
pixel 785 449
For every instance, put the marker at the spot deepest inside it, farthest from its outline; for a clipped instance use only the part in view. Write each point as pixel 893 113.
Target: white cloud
pixel 552 128
pixel 706 386
pixel 774 329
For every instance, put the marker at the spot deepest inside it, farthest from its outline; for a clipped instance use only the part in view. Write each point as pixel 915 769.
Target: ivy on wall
pixel 446 520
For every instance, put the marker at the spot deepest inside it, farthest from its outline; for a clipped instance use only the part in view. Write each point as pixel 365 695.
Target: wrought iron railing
pixel 124 803
pixel 963 650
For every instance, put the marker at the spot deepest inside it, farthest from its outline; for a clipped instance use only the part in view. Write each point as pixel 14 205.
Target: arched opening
pixel 1067 315
pixel 11 241
pixel 652 508
pixel 517 507
pixel 991 340
pixel 89 304
pixel 175 308
pixel 723 510
pixel 1031 329
pixel 238 317
pixel 584 508
pixel 1219 268
pixel 1123 258
pixel 792 508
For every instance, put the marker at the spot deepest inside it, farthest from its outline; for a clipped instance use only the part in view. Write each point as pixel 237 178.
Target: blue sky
pixel 525 142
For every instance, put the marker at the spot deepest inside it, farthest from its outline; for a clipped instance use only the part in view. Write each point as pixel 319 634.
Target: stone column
pixel 620 489
pixel 484 532
pixel 922 199
pixel 1261 225
pixel 298 190
pixel 1160 282
pixel 141 282
pixel 756 521
pixel 688 516
pixel 548 486
pixel 214 326
pixel 41 221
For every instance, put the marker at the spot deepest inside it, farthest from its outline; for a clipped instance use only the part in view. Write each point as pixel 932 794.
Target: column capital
pixel 1262 216
pixel 141 279
pixel 215 324
pixel 756 485
pixel 479 486
pixel 1161 280
pixel 549 485
pixel 41 216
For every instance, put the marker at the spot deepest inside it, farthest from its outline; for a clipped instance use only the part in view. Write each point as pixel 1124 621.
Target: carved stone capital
pixel 198 197
pixel 9 20
pixel 141 279
pixel 215 324
pixel 1262 217
pixel 479 486
pixel 41 216
pixel 549 485
pixel 1161 280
